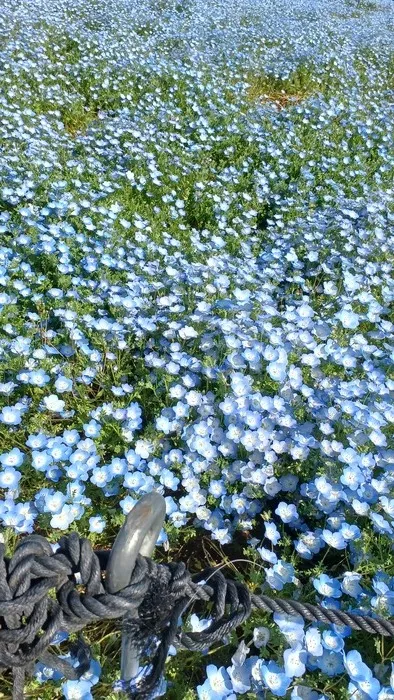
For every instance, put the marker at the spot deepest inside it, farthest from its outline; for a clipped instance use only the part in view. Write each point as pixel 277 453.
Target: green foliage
pixel 282 91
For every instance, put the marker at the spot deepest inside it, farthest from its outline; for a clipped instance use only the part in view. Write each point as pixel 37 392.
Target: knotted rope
pixel 43 591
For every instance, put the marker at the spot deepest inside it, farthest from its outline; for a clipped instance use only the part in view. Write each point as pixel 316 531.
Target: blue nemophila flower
pixel 380 524
pixel 63 384
pixel 92 429
pixel 197 624
pixel 38 378
pixel 63 519
pixel 334 539
pixel 11 415
pixel 77 690
pixel 350 532
pixel 294 661
pixel 240 675
pixel 330 663
pixel 70 437
pixel 44 673
pixel 53 403
pixel 54 501
pixel 313 642
pixel 277 371
pixel 218 684
pixel 327 586
pixel 96 524
pixel 291 627
pixel 369 689
pixel 355 667
pixel 280 574
pixel 261 636
pixel 7 388
pixel 92 675
pixel 287 512
pixel 351 584
pixel 9 478
pixel 273 677
pixel 303 692
pixel 352 477
pixel 332 641
pixel 14 458
pixel 348 318
pixel 272 533
pixel 267 555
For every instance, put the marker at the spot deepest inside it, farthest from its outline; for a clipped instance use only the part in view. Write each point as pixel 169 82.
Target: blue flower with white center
pixel 274 678
pixel 272 533
pixel 292 627
pixel 350 532
pixel 97 524
pixel 327 586
pixel 10 415
pixel 294 661
pixel 197 624
pixel 9 478
pixel 44 673
pixel 303 692
pixel 334 539
pixel 332 641
pixel 14 458
pixel 63 384
pixel 261 636
pixel 280 574
pixel 70 437
pixel 206 692
pixel 330 663
pixel 54 501
pixel 53 403
pixel 218 681
pixel 352 477
pixel 380 524
pixel 63 519
pixel 287 512
pixel 77 690
pixel 277 371
pixel 351 584
pixel 365 690
pixel 100 476
pixel 267 555
pixel 313 642
pixel 240 676
pixel 7 388
pixel 92 429
pixel 38 378
pixel 348 318
pixel 355 667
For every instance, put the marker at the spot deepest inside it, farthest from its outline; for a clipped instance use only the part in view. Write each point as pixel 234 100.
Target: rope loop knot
pixel 43 592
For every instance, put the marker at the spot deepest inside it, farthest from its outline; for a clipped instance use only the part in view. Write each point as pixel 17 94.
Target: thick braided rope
pixel 250 601
pixel 30 618
pixel 149 607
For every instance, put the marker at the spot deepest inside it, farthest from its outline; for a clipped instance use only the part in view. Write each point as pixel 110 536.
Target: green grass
pixel 283 92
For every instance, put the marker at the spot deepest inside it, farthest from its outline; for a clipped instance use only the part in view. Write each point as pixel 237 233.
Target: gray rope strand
pixel 150 608
pixel 327 616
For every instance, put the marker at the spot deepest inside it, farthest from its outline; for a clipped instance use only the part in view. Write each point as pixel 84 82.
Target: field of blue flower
pixel 196 270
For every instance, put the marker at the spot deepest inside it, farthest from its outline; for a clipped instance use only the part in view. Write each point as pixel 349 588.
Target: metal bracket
pixel 138 535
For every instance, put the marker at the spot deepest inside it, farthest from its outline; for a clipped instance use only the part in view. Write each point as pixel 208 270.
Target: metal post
pixel 138 535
